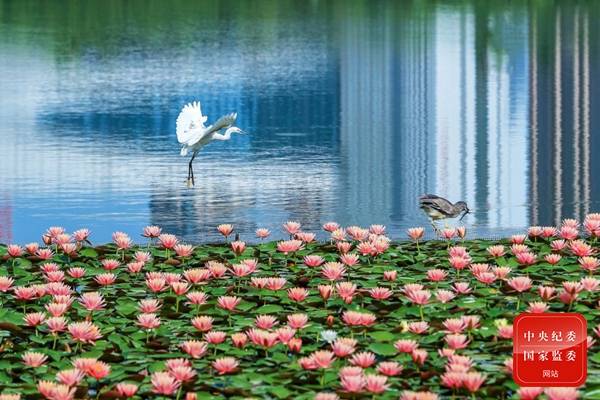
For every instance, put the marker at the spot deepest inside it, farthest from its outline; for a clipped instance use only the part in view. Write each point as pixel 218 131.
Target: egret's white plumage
pixel 193 134
pixel 189 122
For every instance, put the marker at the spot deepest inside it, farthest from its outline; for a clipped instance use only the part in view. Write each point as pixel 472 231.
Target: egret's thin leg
pixel 191 169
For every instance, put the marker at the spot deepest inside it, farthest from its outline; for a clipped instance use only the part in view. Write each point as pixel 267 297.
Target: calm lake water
pixel 354 109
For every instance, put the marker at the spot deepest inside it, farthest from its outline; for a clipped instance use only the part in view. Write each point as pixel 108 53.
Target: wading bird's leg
pixel 435 228
pixel 191 171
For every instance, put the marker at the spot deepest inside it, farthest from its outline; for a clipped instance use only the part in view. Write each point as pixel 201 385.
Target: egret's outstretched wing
pixel 224 122
pixel 190 122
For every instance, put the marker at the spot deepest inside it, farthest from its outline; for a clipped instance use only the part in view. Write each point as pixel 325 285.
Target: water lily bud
pixel 295 344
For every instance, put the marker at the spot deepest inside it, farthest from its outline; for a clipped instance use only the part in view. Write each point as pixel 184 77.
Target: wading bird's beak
pixel 465 213
pixel 243 132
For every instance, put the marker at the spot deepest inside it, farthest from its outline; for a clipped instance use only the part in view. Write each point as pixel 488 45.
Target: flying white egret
pixel 193 135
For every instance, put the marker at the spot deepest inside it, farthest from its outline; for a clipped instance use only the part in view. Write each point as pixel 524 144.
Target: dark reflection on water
pixel 354 108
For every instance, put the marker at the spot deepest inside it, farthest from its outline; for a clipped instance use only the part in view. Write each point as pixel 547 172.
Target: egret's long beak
pixel 465 213
pixel 243 132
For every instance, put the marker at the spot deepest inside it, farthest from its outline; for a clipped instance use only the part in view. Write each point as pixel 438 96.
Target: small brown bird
pixel 438 208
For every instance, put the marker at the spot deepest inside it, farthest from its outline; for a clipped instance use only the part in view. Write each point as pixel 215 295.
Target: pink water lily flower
pixel 34 319
pixel 92 301
pixel 456 341
pixel 568 232
pixel 380 293
pixel 126 389
pixel 289 246
pixel 167 240
pixel 352 383
pixel 225 229
pixel 420 297
pixel 496 251
pixel 70 377
pixel 292 227
pixel 194 348
pixel 164 383
pixel 343 347
pixel 32 248
pixel 203 323
pixel 225 365
pixel 520 284
pixel 448 233
pixel 350 259
pixel 105 279
pixel 297 294
pixel 389 368
pixel 589 263
pixel 239 339
pixel 444 296
pixel 552 259
pixel 418 327
pixel 416 234
pixel 14 250
pixel 306 237
pixel 152 231
pixel 322 358
pixel 228 302
pixel 419 356
pixel 56 324
pixel 343 247
pixel 297 321
pixel 262 233
pixel 333 271
pixel 6 283
pixel 355 318
pixel 363 359
pixel 34 359
pixel 376 383
pixel 183 250
pixel 537 307
pixel 313 261
pixel 215 337
pixel 436 275
pixel 148 321
pixel 331 226
pixel 529 393
pixel 526 258
pixel 265 321
pixel 85 332
pixel 123 241
pixel 238 247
